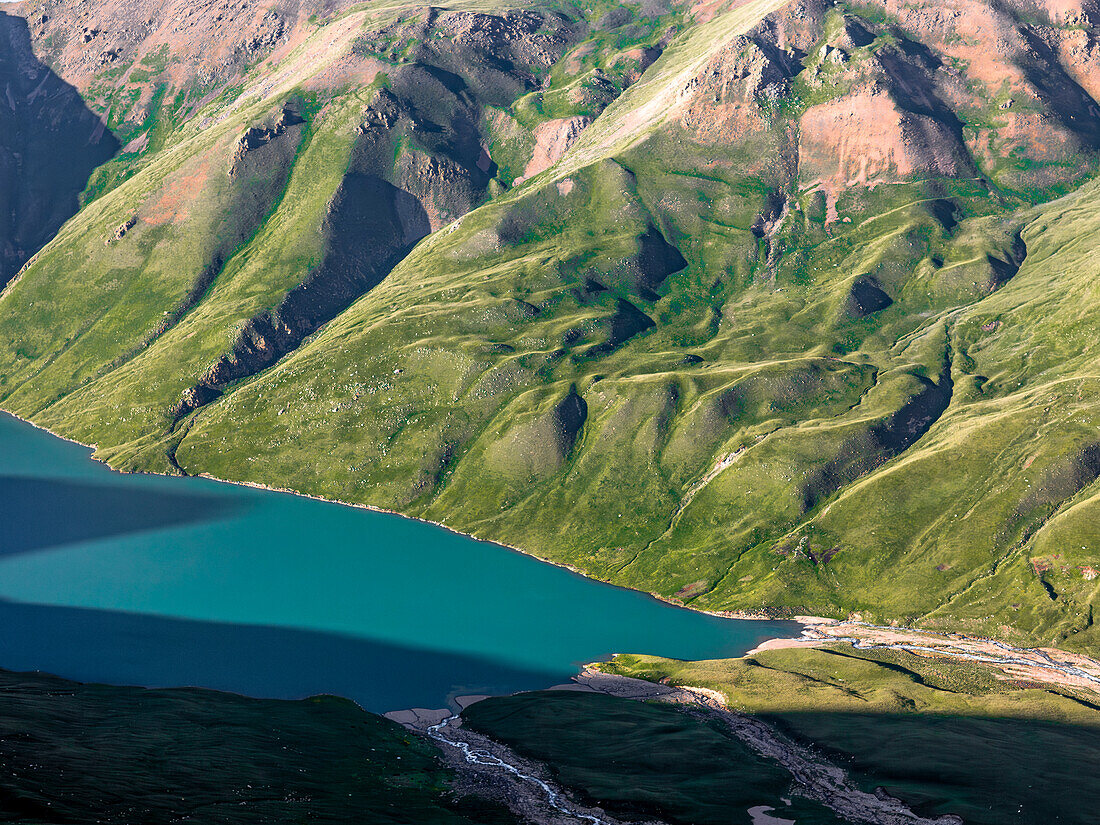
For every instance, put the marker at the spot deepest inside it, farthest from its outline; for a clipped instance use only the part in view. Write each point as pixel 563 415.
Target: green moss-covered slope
pixel 757 306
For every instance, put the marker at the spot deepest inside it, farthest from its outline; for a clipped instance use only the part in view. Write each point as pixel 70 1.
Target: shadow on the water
pixel 36 514
pixel 269 662
pixel 50 143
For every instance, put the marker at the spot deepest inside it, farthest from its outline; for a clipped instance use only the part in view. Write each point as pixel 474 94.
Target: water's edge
pixel 55 657
pixel 778 614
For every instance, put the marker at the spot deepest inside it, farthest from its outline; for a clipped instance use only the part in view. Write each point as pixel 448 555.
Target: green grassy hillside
pixel 945 737
pixel 766 306
pixel 642 760
pixel 126 754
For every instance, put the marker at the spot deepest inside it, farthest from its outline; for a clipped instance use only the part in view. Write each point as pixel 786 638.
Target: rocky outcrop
pixel 723 103
pixel 256 136
pixel 214 42
pixel 123 228
pixel 887 102
pixel 521 36
pixel 497 56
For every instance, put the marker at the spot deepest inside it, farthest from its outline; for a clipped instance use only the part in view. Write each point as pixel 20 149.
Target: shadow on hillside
pixel 76 753
pixel 50 142
pixel 989 771
pixel 639 759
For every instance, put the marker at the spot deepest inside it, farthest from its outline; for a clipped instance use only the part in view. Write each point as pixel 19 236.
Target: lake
pixel 157 581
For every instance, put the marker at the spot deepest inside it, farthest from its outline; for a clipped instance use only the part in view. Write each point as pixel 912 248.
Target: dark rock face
pixel 50 143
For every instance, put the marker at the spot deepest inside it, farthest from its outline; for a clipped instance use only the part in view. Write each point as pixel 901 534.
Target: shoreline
pixel 520 782
pixel 745 615
pixel 1042 664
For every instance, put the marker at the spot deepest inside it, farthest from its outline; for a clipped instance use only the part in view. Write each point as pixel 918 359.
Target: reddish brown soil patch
pixel 173 203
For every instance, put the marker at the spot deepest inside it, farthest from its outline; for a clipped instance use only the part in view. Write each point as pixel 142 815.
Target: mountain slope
pixel 164 755
pixel 50 143
pixel 759 305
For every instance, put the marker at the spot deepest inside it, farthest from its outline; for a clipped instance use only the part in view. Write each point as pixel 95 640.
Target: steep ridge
pixel 258 173
pixel 369 224
pixel 429 117
pixel 421 136
pixel 50 142
pixel 208 208
pixel 753 297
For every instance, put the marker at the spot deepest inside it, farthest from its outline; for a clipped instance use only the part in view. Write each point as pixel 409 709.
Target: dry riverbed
pixel 493 771
pixel 489 769
pixel 1040 665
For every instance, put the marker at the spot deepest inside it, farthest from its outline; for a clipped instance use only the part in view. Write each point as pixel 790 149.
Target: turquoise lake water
pixel 169 582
